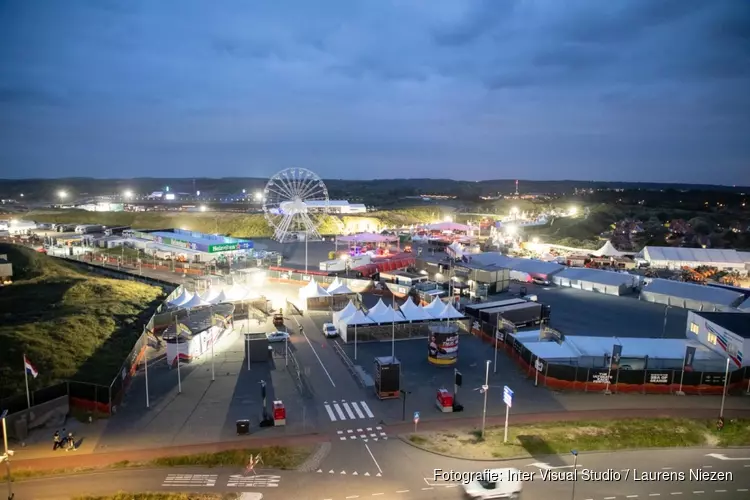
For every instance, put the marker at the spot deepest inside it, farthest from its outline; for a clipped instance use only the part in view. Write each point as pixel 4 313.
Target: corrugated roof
pixel 530 266
pixel 697 255
pixel 691 291
pixel 597 276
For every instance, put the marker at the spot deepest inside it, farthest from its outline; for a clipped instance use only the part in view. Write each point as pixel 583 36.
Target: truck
pixel 474 310
pixel 111 231
pixel 523 314
pixel 89 228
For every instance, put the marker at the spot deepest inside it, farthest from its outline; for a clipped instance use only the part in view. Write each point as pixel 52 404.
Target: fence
pixel 577 378
pixel 17 404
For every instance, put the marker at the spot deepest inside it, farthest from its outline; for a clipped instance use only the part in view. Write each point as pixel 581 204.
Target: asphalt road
pixel 408 473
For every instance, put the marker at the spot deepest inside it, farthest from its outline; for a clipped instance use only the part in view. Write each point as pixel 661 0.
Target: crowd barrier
pixel 600 379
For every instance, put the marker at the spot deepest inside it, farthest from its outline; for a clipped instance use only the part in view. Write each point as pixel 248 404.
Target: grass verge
pixel 274 457
pixel 555 438
pixel 164 496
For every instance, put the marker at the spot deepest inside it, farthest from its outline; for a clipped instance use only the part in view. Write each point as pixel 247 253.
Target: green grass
pixel 164 496
pixel 69 323
pixel 274 457
pixel 557 438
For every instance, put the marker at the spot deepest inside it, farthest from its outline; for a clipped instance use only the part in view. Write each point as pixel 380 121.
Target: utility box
pixel 279 414
pixel 243 427
pixel 387 377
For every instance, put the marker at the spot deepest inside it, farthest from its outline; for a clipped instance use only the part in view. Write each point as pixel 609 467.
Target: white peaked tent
pixel 312 291
pixel 334 284
pixel 435 308
pixel 385 315
pixel 220 298
pixel 608 250
pixel 358 318
pixel 196 301
pixel 377 308
pixel 185 296
pixel 342 289
pixel 450 312
pixel 211 294
pixel 413 312
pixel 237 293
pixel 345 313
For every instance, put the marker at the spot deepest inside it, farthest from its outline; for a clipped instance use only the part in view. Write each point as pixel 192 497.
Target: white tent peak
pixel 237 292
pixel 608 250
pixel 219 298
pixel 385 315
pixel 184 297
pixel 435 308
pixel 345 313
pixel 313 290
pixel 413 312
pixel 211 294
pixel 450 312
pixel 342 289
pixel 196 301
pixel 358 318
pixel 334 284
pixel 377 308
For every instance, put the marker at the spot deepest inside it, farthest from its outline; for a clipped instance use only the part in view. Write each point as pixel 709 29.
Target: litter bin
pixel 243 427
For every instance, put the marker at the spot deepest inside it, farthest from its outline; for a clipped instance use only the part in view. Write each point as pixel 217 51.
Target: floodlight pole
pixel 497 326
pixel 306 238
pixel 7 456
pixel 355 342
pixel 177 343
pixel 145 368
pixel 724 392
pixel 213 341
pixel 393 330
pixel 486 384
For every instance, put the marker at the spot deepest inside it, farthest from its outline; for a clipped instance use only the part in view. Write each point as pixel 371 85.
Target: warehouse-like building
pixel 677 258
pixel 690 295
pixel 595 280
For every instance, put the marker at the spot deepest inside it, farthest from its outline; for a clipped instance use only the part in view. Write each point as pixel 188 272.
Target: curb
pixel 543 457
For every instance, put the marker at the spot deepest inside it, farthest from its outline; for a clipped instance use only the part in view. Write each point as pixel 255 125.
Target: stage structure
pixel 285 204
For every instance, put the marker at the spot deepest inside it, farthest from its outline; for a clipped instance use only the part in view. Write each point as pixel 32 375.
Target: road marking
pixel 262 481
pixel 707 466
pixel 359 430
pixel 190 480
pixel 666 468
pixel 403 491
pixel 720 491
pixel 426 489
pixel 330 413
pixel 609 498
pixel 342 438
pixel 699 492
pixel 676 493
pixel 377 494
pixel 373 458
pixel 353 496
pixel 741 489
pixel 654 494
pixel 319 361
pixel 632 496
pixel 352 437
pixel 339 412
pixel 356 409
pixel 349 411
pixel 367 409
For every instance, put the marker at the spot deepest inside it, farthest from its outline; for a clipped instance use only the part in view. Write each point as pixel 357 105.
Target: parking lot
pixel 578 312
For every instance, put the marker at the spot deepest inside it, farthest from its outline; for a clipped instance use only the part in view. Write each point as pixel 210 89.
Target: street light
pixel 128 194
pixel 575 472
pixel 62 194
pixel 485 389
pixel 258 195
pixel 8 453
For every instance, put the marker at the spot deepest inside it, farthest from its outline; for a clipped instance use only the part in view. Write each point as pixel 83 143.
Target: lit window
pixel 711 339
pixel 695 328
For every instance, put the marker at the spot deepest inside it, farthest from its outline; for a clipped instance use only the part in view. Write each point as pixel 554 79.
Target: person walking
pixel 56 440
pixel 71 443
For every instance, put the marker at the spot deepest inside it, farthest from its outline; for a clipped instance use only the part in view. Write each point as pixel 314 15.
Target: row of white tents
pixel 212 296
pixel 313 290
pixel 409 312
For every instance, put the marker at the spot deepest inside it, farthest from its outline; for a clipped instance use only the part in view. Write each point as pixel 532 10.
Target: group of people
pixel 63 440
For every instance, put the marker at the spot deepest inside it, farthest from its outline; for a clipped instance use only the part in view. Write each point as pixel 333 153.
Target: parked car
pixel 277 336
pixel 540 281
pixel 499 483
pixel 329 330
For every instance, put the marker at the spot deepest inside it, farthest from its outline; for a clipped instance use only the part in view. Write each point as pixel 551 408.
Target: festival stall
pixel 314 297
pixel 192 336
pixel 413 312
pixel 345 313
pixel 341 294
pixel 195 302
pixel 361 243
pixel 435 308
pixel 184 297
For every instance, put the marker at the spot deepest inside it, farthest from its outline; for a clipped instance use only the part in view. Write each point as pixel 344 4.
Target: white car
pixel 277 336
pixel 499 483
pixel 329 330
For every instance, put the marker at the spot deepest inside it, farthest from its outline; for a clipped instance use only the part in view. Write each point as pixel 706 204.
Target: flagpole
pixel 26 378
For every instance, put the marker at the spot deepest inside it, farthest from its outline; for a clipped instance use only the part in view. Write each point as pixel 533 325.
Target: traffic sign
pixel 416 417
pixel 507 396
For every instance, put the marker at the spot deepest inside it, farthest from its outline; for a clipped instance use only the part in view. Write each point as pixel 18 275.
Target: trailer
pixel 115 231
pixel 530 313
pixel 473 310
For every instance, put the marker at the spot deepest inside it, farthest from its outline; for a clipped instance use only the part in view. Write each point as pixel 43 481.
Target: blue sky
pixel 636 90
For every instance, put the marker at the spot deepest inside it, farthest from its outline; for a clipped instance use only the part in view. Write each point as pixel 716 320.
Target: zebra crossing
pixel 365 434
pixel 347 410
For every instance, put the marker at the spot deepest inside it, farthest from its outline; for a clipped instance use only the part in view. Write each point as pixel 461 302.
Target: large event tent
pixel 196 301
pixel 608 250
pixel 413 312
pixel 450 312
pixel 367 238
pixel 435 308
pixel 385 315
pixel 380 306
pixel 449 226
pixel 690 295
pixel 184 297
pixel 345 313
pixel 595 280
pixel 313 291
pixel 358 318
pixel 520 269
pixel 676 258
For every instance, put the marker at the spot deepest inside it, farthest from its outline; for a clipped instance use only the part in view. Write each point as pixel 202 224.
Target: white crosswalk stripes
pixel 346 410
pixel 183 480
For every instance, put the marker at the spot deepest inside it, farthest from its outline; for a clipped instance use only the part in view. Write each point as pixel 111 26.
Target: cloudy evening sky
pixel 641 90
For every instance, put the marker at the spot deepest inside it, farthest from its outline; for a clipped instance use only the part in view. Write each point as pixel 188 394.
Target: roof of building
pixel 697 255
pixel 195 237
pixel 610 278
pixel 745 306
pixel 691 291
pixel 736 322
pixel 530 266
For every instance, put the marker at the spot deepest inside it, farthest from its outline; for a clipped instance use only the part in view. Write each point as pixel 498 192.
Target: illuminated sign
pixel 228 247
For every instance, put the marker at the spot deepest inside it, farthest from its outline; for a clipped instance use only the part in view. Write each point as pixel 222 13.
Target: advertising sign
pixel 658 378
pixel 614 363
pixel 228 247
pixel 442 348
pixel 599 377
pixel 687 365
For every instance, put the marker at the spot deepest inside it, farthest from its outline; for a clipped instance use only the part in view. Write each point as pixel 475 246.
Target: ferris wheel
pixel 289 198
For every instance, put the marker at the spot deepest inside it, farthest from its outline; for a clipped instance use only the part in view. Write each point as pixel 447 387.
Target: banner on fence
pixel 687 364
pixel 614 362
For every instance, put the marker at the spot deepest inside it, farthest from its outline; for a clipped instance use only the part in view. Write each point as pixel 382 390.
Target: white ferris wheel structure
pixel 288 200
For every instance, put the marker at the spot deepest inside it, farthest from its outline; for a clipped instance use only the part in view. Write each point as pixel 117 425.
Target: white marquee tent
pixel 312 291
pixel 608 250
pixel 450 312
pixel 377 308
pixel 341 289
pixel 435 308
pixel 595 280
pixel 219 298
pixel 676 258
pixel 345 313
pixel 196 301
pixel 385 315
pixel 413 312
pixel 334 284
pixel 358 318
pixel 184 297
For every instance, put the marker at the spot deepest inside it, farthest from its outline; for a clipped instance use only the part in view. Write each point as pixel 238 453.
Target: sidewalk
pixel 94 460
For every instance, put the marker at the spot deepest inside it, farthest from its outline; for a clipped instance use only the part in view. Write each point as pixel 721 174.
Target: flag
pixel 29 367
pixel 687 365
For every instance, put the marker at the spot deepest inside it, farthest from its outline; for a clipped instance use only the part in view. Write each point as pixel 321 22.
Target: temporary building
pixel 366 238
pixel 211 294
pixel 435 308
pixel 523 270
pixel 184 297
pixel 358 318
pixel 377 308
pixel 334 284
pixel 385 315
pixel 345 313
pixel 608 250
pixel 745 306
pixel 676 258
pixel 413 312
pixel 449 226
pixel 594 280
pixel 450 312
pixel 341 289
pixel 690 295
pixel 220 298
pixel 312 291
pixel 194 302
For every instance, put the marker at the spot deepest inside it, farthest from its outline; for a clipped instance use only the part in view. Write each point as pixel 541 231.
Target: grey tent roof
pixel 694 255
pixel 610 278
pixel 691 291
pixel 530 266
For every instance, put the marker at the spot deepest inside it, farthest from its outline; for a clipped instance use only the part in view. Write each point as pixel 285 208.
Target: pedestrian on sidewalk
pixel 71 443
pixel 56 440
